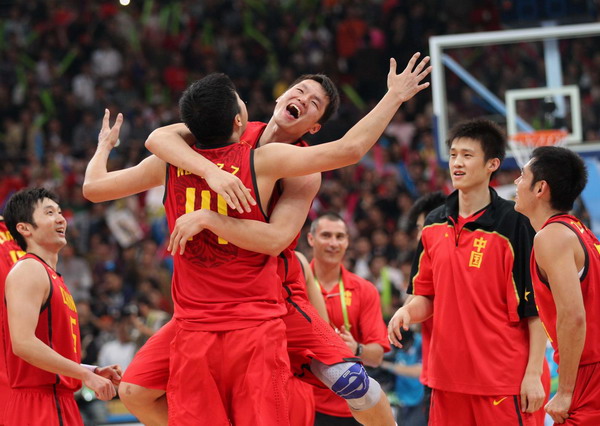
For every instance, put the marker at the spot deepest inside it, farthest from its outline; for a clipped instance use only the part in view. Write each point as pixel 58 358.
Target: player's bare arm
pixel 296 161
pixel 172 144
pixel 532 390
pixel 559 256
pixel 27 289
pixel 417 310
pixel 101 185
pixel 313 291
pixel 285 222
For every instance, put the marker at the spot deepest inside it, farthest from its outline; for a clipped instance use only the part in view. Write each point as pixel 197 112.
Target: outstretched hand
pixel 408 83
pixel 108 137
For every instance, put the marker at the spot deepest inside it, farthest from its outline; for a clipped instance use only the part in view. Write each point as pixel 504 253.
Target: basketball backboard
pixel 527 79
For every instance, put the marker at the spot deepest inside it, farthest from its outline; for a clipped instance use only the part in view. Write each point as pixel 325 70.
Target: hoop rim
pixel 547 137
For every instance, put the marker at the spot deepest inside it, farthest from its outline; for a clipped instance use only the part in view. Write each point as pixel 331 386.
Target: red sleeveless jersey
pixel 10 252
pixel 590 289
pixel 58 327
pixel 216 285
pixel 288 265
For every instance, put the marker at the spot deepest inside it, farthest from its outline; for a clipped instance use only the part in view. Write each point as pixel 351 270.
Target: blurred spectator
pixel 76 273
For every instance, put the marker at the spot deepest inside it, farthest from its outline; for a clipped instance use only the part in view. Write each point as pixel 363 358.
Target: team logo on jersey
pixel 477 255
pixel 348 297
pixel 496 402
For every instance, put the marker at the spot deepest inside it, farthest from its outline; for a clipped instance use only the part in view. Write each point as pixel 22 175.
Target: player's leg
pixel 256 370
pixel 367 401
pixel 43 406
pixel 309 339
pixel 301 403
pixel 149 406
pixel 194 392
pixel 142 389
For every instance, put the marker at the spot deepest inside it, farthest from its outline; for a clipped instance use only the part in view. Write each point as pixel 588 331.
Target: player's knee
pixel 131 394
pixel 351 382
pixel 369 398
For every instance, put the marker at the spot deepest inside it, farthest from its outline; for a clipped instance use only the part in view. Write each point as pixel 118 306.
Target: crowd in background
pixel 63 62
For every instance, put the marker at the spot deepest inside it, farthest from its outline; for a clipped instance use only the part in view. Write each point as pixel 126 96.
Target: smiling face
pixel 300 108
pixel 525 198
pixel 49 226
pixel 329 241
pixel 468 167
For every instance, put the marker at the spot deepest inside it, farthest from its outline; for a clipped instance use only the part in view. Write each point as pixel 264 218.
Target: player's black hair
pixel 563 170
pixel 20 208
pixel 488 133
pixel 424 205
pixel 330 90
pixel 208 107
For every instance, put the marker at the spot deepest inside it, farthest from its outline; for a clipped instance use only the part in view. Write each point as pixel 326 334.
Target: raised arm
pixel 172 144
pixel 101 185
pixel 555 253
pixel 284 224
pixel 27 288
pixel 293 161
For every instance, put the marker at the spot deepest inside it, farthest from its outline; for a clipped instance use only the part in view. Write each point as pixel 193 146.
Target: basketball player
pixel 471 273
pixel 419 70
pixel 565 268
pixel 43 344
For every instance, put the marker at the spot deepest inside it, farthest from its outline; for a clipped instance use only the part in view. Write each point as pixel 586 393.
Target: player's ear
pixel 310 239
pixel 315 128
pixel 24 229
pixel 493 164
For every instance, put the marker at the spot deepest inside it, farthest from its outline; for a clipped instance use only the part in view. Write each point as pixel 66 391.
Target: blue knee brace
pixel 353 383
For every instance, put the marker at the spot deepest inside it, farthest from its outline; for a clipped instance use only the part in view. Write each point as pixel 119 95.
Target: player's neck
pixel 274 133
pixel 327 274
pixel 48 256
pixel 472 200
pixel 540 214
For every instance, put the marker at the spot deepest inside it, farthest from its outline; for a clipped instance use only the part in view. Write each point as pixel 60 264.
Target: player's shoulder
pixel 27 270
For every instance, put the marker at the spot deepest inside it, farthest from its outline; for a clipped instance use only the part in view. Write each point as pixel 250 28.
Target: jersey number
pixel 73 325
pixel 190 202
pixel 16 255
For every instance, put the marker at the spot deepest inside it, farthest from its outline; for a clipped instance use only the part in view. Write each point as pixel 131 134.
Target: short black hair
pixel 20 208
pixel 489 134
pixel 563 170
pixel 332 216
pixel 330 90
pixel 424 205
pixel 208 107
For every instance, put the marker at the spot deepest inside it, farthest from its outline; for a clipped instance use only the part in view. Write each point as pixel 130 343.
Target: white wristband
pixel 92 368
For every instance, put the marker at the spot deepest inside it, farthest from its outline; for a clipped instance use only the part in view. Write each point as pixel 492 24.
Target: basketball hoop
pixel 522 144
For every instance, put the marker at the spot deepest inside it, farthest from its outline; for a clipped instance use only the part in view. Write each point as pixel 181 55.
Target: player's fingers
pixel 245 198
pixel 117 127
pixel 105 119
pixel 182 244
pixel 411 64
pixel 421 65
pixel 524 403
pixel 231 202
pixel 392 66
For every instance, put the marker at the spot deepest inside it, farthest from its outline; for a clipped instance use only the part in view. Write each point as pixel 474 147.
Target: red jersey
pixel 590 289
pixel 58 327
pixel 288 264
pixel 10 252
pixel 480 278
pixel 216 285
pixel 366 326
